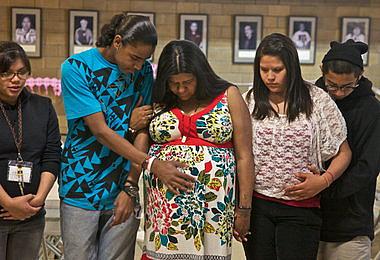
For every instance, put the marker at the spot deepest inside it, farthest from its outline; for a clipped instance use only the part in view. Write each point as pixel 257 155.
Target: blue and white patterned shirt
pixel 92 174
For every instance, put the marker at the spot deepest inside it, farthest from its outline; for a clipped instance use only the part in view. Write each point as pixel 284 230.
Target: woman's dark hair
pixel 341 67
pixel 182 56
pixel 9 53
pixel 297 95
pixel 132 29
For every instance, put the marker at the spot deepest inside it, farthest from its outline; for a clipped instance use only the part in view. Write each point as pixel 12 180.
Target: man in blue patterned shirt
pixel 101 87
pixel 98 185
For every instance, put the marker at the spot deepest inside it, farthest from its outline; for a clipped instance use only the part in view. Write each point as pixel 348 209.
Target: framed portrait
pixel 357 29
pixel 150 15
pixel 83 30
pixel 193 27
pixel 247 37
pixel 302 31
pixel 26 29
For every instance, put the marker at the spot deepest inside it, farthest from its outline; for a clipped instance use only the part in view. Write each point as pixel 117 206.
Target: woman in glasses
pixel 29 156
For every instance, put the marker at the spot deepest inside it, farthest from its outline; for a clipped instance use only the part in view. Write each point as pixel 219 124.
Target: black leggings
pixel 282 232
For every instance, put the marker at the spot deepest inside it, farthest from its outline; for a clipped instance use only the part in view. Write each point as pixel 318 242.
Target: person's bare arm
pixel 141 143
pixel 242 138
pixel 340 162
pixel 46 183
pixel 124 204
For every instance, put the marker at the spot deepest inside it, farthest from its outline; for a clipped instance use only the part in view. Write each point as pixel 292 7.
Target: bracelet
pixel 132 192
pixel 134 184
pixel 332 175
pixel 244 208
pixel 326 180
pixel 243 212
pixel 133 131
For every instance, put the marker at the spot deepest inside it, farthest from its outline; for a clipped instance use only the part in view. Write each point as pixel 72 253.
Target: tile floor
pixel 237 249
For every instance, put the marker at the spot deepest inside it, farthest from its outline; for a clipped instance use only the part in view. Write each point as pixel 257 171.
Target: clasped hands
pixel 21 207
pixel 242 224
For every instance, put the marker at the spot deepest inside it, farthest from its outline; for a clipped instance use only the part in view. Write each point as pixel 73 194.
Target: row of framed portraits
pixel 26 30
pixel 248 31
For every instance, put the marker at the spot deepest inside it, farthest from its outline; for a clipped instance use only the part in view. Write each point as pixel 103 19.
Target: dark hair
pixel 297 95
pixel 341 67
pixel 9 53
pixel 132 29
pixel 182 56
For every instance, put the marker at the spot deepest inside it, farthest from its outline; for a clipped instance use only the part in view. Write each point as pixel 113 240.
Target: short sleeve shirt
pixel 282 149
pixel 92 174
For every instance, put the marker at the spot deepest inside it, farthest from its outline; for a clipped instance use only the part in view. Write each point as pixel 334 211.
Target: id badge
pixel 20 171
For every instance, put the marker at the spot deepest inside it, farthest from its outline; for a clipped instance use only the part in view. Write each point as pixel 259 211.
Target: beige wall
pixel 220 16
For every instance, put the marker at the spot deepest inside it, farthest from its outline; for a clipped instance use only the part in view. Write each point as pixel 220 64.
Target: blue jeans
pixel 88 235
pixel 283 232
pixel 21 239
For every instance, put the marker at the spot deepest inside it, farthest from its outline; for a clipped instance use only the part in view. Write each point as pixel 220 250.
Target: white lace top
pixel 282 149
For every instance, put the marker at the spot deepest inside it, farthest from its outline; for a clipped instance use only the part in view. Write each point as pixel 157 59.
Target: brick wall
pixel 220 18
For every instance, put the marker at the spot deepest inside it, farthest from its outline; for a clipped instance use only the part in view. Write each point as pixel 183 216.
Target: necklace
pixel 192 111
pixel 18 141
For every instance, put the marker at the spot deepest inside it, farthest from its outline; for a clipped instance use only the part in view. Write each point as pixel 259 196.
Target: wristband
pixel 331 175
pixel 134 184
pixel 133 131
pixel 244 208
pixel 326 180
pixel 133 192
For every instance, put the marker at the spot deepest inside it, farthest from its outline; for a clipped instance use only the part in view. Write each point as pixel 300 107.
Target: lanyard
pixel 16 139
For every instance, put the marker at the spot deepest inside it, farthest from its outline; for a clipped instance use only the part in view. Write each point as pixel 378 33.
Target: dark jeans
pixel 21 240
pixel 282 232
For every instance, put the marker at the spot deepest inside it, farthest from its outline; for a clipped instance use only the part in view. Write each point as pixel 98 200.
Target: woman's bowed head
pixel 184 57
pixel 277 75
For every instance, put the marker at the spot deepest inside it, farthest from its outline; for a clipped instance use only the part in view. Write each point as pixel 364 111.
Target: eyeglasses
pixel 353 85
pixel 10 75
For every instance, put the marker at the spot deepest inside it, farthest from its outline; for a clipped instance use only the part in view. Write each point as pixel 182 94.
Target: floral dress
pixel 196 224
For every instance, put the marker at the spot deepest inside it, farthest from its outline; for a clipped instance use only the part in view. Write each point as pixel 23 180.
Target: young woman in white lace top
pixel 296 127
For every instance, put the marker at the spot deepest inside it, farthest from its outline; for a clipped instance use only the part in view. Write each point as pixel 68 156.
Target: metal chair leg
pixel 44 250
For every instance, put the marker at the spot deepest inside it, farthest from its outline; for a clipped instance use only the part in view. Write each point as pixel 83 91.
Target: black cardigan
pixel 41 141
pixel 347 205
